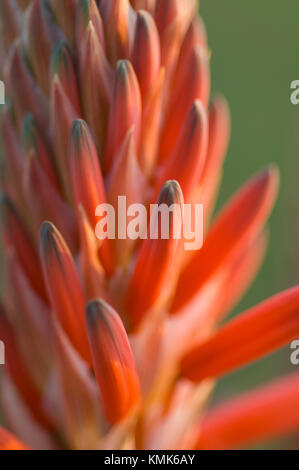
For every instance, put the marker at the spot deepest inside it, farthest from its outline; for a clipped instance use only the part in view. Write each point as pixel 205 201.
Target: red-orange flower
pixel 116 343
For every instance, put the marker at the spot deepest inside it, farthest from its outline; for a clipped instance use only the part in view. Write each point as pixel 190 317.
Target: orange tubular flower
pixel 113 361
pixel 263 413
pixel 115 343
pixel 10 442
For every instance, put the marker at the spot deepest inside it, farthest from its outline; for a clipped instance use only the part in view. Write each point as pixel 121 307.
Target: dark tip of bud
pixel 79 131
pixel 197 106
pixel 46 232
pixel 8 106
pixel 48 241
pixel 29 128
pixel 170 193
pixel 60 56
pixel 78 127
pixel 267 178
pixel 4 200
pixel 95 310
pixel 84 8
pixel 197 113
pixel 6 205
pixel 143 20
pixel 123 69
pixel 2 312
pixel 270 170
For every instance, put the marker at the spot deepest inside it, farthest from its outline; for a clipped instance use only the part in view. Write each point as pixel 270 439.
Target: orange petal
pixel 186 162
pixel 125 177
pixel 253 334
pixel 65 14
pixel 45 202
pixel 63 286
pixel 156 261
pixel 30 317
pixel 17 418
pixel 88 13
pixel 23 4
pixel 26 95
pixel 173 18
pixel 20 374
pixel 113 361
pixel 262 414
pixel 146 52
pixel 79 398
pixel 9 442
pixel 96 85
pixel 16 235
pixel 63 67
pixel 119 22
pixel 34 144
pixel 241 273
pixel 40 25
pixel 240 220
pixel 219 133
pixel 125 180
pixel 62 114
pixel 87 180
pixel 150 126
pixel 10 22
pixel 165 13
pixel 148 5
pixel 194 79
pixel 195 36
pixel 92 270
pixel 126 102
pixel 13 155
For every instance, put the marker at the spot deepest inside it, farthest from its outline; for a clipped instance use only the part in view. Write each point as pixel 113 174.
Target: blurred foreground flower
pixel 117 344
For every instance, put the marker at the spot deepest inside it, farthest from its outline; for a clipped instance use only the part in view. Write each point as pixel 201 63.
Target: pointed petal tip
pixel 272 172
pixel 4 200
pixel 113 361
pixel 171 193
pixel 146 51
pixel 47 228
pixel 30 129
pixel 7 207
pixel 254 417
pixel 263 329
pixel 198 106
pixel 78 125
pixel 122 68
pixel 29 122
pixel 78 128
pixel 96 309
pixel 198 113
pixel 268 179
pixel 60 53
pixel 48 233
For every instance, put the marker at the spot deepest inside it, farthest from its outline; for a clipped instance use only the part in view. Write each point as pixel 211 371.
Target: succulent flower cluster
pixel 116 344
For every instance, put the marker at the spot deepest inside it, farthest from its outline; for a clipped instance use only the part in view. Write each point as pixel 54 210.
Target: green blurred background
pixel 254 58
